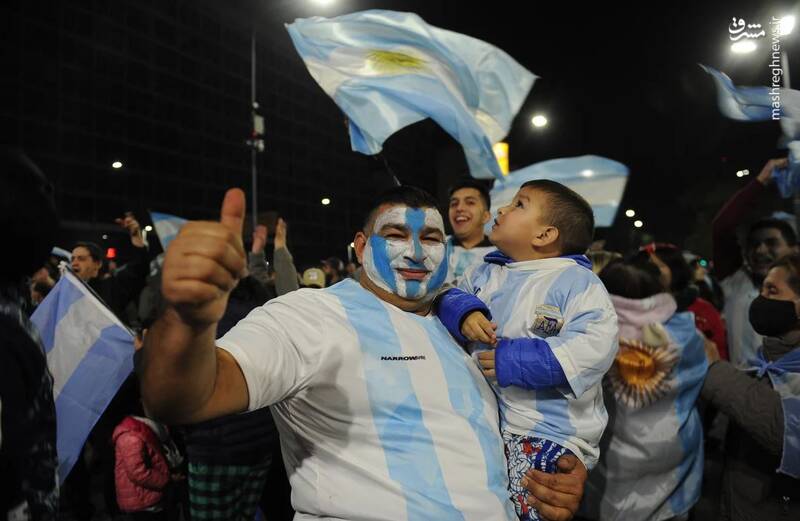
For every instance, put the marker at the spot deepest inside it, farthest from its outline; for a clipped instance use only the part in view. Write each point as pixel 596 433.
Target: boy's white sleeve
pixel 587 343
pixel 278 347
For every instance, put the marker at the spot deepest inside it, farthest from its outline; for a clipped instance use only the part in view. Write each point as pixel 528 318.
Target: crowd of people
pixel 511 370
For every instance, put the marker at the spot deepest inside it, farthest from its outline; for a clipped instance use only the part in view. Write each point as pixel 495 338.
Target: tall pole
pixel 253 107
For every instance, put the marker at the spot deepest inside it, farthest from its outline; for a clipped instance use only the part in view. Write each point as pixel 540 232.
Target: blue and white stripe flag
pixel 387 70
pixel 599 180
pixel 741 103
pixel 167 227
pixel 762 104
pixel 89 353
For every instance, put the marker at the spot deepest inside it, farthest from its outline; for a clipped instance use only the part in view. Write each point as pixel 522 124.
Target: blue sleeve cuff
pixel 528 363
pixel 452 308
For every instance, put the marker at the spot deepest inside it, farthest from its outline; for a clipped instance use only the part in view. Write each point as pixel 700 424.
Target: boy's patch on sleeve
pixel 547 321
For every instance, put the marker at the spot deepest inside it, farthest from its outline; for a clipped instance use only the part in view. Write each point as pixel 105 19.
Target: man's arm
pixel 129 280
pixel 184 377
pixel 285 271
pixel 726 251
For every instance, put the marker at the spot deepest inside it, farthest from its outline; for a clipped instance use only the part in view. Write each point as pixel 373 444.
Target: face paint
pixel 384 256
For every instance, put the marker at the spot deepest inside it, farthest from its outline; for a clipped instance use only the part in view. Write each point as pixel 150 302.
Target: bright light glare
pixel 786 25
pixel 638 224
pixel 116 165
pixel 743 47
pixel 539 121
pixel 325 201
pixel 629 213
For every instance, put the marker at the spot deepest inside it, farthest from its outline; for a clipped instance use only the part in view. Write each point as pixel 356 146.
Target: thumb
pixel 232 213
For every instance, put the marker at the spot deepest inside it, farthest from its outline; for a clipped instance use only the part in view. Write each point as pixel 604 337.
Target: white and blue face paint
pixel 384 256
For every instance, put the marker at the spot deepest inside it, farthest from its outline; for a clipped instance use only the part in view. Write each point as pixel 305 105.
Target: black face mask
pixel 770 317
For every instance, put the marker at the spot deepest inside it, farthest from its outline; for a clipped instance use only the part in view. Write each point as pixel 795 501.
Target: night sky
pixel 164 86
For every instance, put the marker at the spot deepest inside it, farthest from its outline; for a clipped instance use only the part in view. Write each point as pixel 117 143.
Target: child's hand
pixel 486 361
pixel 476 327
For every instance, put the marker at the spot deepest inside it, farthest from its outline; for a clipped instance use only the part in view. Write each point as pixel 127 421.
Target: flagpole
pixel 253 106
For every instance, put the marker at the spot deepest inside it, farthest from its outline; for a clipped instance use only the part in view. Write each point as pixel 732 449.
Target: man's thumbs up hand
pixel 204 262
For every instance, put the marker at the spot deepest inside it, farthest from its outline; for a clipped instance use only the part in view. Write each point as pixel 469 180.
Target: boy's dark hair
pixel 631 280
pixel 407 195
pixel 782 226
pixel 469 182
pixel 94 250
pixel 569 212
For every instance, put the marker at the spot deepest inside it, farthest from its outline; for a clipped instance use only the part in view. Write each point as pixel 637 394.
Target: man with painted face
pixel 741 270
pixel 469 211
pixel 381 414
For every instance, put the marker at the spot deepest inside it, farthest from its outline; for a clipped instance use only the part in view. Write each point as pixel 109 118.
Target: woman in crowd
pixel 651 461
pixel 761 474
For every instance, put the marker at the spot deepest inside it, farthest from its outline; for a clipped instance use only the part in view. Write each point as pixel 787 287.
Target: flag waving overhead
pixel 599 180
pixel 89 353
pixel 741 103
pixel 387 70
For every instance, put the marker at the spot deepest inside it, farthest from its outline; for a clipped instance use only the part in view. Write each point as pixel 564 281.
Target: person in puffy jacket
pixel 142 470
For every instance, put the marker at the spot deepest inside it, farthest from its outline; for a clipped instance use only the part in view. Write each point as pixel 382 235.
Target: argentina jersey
pixel 382 415
pixel 462 259
pixel 560 301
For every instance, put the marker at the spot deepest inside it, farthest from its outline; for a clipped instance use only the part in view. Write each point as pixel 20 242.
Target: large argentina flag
pixel 89 353
pixel 387 70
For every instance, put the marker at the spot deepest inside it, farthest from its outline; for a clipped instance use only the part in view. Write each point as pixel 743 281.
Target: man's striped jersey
pixel 381 414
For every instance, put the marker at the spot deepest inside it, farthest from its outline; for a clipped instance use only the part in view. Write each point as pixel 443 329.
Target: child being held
pixel 556 331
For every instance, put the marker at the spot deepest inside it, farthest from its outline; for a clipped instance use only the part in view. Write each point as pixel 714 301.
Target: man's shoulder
pixel 736 280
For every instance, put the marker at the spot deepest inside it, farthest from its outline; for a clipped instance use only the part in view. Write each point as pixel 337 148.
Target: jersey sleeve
pixel 587 343
pixel 278 347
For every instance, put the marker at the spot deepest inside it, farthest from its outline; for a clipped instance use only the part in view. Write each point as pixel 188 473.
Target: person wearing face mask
pixel 761 475
pixel 741 270
pixel 381 415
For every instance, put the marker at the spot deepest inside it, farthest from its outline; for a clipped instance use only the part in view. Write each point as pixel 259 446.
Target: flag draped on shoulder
pixel 89 353
pixel 387 70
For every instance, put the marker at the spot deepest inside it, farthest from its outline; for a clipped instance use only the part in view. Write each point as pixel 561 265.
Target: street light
pixel 742 173
pixel 743 47
pixel 629 213
pixel 116 165
pixel 539 121
pixel 325 201
pixel 786 25
pixel 638 224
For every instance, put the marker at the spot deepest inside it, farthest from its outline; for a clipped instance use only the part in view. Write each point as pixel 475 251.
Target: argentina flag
pixel 167 227
pixel 387 70
pixel 741 103
pixel 599 180
pixel 89 353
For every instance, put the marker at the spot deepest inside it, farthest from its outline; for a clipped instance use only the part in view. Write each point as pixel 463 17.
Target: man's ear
pixel 487 216
pixel 360 242
pixel 546 236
